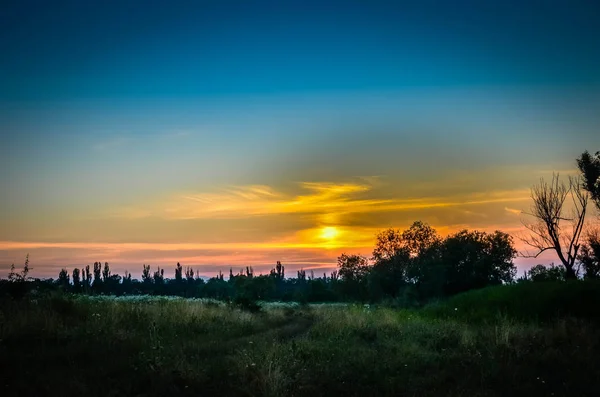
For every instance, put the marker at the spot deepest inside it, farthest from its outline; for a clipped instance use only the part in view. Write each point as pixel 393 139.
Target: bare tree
pixel 552 229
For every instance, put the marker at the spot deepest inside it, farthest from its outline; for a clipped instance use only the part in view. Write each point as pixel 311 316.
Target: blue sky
pixel 112 113
pixel 140 49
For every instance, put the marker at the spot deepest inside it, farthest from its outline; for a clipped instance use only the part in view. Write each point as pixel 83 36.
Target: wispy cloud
pixel 326 218
pixel 325 200
pixel 513 211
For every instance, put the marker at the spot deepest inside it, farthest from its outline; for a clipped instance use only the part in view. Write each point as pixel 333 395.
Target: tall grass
pixel 66 346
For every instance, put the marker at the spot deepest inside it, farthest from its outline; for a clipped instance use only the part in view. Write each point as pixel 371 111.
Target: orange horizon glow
pixel 257 225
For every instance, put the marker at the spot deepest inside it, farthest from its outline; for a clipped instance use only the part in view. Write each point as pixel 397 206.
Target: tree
pixel 543 273
pixel 146 277
pixel 76 280
pixel 419 238
pixel 189 274
pixel 178 273
pixel 159 276
pixel 548 232
pixel 590 171
pixel 352 267
pixel 126 280
pixel 22 276
pixel 63 279
pixel 106 272
pixel 301 275
pixel 88 278
pixel 590 255
pixel 392 259
pixel 422 243
pixel 477 259
pixel 278 272
pixel 97 274
pixel 353 271
pixel 388 244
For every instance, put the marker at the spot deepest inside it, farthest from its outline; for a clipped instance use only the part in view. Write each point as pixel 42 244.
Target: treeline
pixel 410 266
pixel 407 267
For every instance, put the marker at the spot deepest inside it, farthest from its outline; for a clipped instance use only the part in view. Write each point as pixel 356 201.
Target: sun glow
pixel 329 233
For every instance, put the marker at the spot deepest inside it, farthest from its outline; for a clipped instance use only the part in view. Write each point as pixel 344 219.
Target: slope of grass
pixel 153 347
pixel 534 302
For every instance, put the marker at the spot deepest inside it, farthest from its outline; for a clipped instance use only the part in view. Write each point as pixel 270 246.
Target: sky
pixel 224 133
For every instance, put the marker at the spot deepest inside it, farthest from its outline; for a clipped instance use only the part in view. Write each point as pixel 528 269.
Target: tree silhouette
pixel 159 276
pixel 97 275
pixel 352 267
pixel 106 272
pixel 146 277
pixel 590 170
pixel 388 244
pixel 353 270
pixel 477 259
pixel 178 273
pixel 126 281
pixel 76 280
pixel 546 273
pixel 391 258
pixel 22 276
pixel 87 278
pixel 547 232
pixel 63 279
pixel 589 256
pixel 278 272
pixel 189 275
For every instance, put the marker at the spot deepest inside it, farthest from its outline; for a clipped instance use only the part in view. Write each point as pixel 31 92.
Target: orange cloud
pixel 326 201
pixel 513 211
pixel 321 218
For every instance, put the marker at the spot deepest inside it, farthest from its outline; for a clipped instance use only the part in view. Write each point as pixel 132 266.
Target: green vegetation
pixel 535 303
pixel 523 339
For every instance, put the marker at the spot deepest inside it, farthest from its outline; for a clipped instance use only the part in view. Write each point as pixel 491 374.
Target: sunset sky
pixel 230 133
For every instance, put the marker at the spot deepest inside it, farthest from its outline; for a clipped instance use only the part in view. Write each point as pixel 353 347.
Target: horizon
pixel 223 135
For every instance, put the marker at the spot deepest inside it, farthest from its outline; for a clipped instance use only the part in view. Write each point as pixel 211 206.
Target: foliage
pixel 589 166
pixel 477 260
pixel 532 302
pixel 589 256
pixel 21 276
pixel 546 273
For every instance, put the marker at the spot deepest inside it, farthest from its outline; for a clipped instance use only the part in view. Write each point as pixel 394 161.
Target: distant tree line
pixel 413 265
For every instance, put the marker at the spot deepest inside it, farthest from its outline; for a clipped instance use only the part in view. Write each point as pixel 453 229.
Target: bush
pixel 246 304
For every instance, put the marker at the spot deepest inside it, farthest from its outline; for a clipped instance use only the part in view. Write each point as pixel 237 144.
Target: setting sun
pixel 329 233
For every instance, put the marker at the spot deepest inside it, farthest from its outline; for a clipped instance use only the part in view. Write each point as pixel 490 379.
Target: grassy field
pixel 493 342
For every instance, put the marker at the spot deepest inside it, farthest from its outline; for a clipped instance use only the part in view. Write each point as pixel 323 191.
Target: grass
pixel 101 346
pixel 527 302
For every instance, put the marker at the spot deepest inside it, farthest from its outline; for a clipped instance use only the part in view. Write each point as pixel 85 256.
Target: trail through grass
pixel 150 347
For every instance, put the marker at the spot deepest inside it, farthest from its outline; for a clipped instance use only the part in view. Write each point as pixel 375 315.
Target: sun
pixel 329 233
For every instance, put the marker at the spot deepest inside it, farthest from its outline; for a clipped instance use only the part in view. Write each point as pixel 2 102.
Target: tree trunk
pixel 570 273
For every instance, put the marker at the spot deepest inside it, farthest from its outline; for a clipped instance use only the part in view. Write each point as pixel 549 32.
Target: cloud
pixel 308 224
pixel 513 211
pixel 326 201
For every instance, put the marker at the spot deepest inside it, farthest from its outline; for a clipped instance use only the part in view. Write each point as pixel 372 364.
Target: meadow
pixel 491 342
